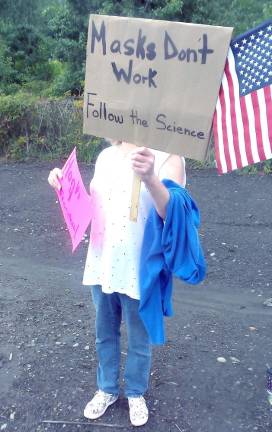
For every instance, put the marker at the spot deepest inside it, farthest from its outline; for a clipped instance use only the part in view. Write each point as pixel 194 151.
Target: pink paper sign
pixel 74 200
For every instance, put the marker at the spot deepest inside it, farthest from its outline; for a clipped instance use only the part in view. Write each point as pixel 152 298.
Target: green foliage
pixel 35 35
pixel 42 63
pixel 244 14
pixel 267 167
pixel 169 10
pixel 15 119
pixel 6 70
pixel 67 30
pixel 158 9
pixel 28 54
pixel 21 11
pixel 34 127
pixel 250 169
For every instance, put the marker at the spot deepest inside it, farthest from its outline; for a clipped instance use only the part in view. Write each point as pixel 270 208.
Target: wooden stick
pixel 84 423
pixel 136 187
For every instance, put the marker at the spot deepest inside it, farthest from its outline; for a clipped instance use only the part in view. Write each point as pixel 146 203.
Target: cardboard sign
pixel 74 200
pixel 153 83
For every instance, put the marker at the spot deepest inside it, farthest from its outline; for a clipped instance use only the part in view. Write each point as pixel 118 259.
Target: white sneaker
pixel 138 412
pixel 98 405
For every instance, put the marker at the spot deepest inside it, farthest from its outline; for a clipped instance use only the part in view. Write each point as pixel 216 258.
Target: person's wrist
pixel 150 180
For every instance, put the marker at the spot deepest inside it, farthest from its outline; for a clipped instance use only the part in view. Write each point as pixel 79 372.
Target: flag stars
pixel 253 59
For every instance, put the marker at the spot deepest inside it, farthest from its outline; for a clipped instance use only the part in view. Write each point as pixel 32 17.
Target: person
pixel 112 266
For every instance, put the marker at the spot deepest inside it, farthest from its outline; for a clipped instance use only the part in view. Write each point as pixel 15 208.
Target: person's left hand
pixel 143 163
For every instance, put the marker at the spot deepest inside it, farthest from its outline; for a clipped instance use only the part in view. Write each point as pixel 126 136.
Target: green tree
pixel 240 14
pixel 67 25
pixel 44 41
pixel 25 54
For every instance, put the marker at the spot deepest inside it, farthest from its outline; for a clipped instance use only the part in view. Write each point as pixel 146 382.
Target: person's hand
pixel 143 163
pixel 53 178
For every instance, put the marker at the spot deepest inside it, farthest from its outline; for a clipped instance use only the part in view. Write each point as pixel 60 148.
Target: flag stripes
pixel 242 124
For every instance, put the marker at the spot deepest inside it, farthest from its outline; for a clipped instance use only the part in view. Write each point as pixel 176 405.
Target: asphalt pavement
pixel 210 376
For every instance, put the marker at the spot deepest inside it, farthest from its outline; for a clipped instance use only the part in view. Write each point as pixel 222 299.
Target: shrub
pixel 15 119
pixel 50 128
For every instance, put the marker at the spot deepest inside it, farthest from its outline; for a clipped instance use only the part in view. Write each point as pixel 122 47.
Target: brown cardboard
pixel 176 71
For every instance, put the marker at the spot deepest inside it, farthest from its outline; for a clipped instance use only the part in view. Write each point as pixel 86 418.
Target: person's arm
pixel 173 169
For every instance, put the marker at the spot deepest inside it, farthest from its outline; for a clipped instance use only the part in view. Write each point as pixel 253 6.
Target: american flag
pixel 242 122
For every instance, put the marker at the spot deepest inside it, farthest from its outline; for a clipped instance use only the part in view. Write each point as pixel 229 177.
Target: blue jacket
pixel 169 247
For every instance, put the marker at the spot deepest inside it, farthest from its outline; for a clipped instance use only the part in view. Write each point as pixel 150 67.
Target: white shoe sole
pixel 140 423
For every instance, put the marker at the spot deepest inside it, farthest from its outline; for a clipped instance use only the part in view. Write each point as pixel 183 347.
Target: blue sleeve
pixel 180 240
pixel 152 277
pixel 169 247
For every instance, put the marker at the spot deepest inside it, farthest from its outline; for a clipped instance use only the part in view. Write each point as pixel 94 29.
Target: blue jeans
pixel 109 311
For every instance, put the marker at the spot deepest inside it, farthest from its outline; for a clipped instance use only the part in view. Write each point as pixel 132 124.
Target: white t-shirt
pixel 115 241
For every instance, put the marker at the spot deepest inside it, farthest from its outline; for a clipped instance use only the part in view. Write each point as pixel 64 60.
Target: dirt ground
pixel 47 357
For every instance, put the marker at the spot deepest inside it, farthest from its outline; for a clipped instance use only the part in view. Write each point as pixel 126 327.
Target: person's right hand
pixel 53 178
